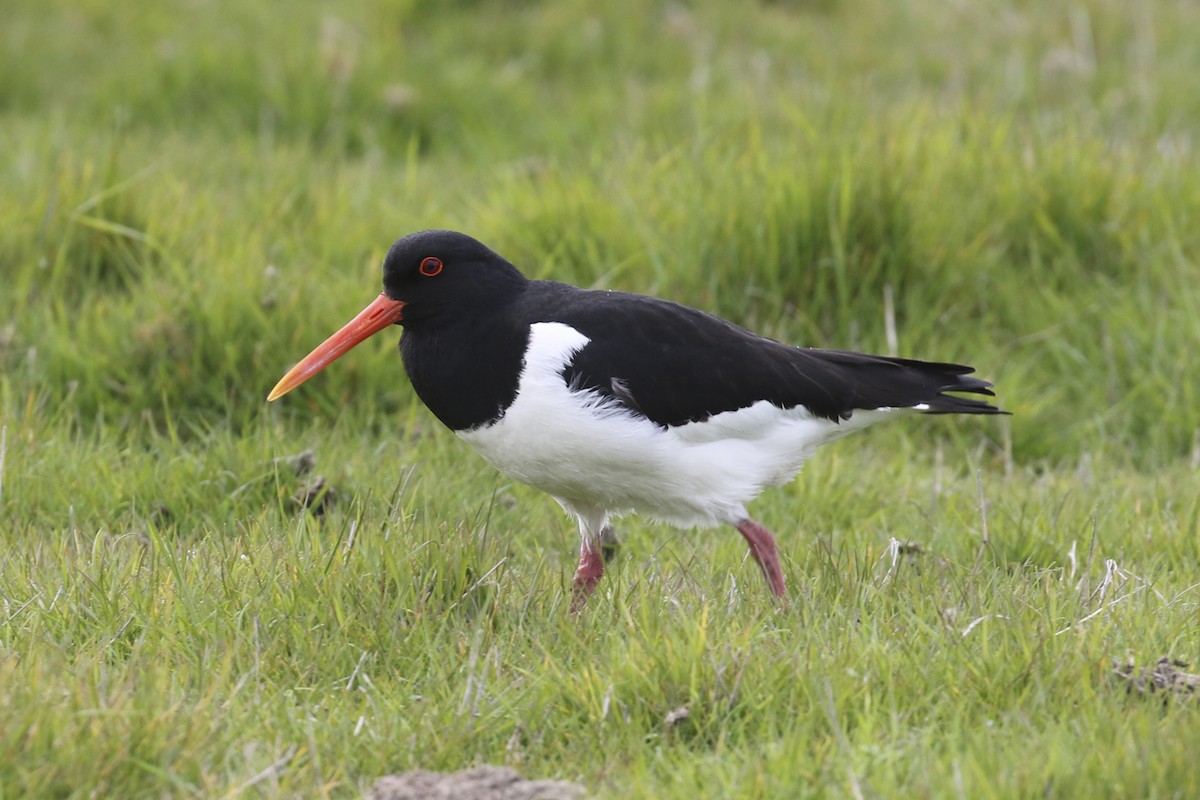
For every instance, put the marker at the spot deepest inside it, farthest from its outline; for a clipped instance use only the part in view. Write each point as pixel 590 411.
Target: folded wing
pixel 689 366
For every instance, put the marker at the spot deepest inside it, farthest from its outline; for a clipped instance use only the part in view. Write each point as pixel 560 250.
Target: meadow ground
pixel 195 193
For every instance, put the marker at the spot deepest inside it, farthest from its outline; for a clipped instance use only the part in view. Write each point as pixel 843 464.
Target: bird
pixel 617 403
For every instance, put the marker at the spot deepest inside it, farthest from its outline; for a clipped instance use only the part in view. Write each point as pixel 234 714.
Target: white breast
pixel 593 454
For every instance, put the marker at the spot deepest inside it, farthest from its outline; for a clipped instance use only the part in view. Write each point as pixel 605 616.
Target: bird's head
pixel 436 273
pixel 428 277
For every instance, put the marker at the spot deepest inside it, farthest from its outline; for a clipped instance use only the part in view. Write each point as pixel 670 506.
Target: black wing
pixel 676 365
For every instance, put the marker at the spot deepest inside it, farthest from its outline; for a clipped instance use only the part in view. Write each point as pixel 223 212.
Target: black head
pixel 445 272
pixel 428 277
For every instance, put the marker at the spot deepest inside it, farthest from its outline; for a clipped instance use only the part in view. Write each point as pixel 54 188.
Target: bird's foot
pixel 764 551
pixel 587 574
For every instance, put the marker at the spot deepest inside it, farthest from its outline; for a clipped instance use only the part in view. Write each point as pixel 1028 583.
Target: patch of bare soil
pixel 1166 677
pixel 478 783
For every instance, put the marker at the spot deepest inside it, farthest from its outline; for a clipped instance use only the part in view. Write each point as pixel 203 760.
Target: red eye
pixel 430 266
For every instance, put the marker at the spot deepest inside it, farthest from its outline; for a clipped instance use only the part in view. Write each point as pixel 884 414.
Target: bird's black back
pixel 675 365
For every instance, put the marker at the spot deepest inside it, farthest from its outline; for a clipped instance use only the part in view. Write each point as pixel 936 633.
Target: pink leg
pixel 587 574
pixel 762 547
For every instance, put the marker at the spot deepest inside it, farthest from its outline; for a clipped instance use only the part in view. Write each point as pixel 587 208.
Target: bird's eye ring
pixel 430 266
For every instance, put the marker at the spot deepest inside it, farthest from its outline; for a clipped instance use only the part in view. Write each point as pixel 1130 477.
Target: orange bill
pixel 381 313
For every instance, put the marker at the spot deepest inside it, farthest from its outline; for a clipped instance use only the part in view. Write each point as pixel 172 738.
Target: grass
pixel 196 194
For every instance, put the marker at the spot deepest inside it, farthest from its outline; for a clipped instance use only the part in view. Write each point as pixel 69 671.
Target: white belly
pixel 595 455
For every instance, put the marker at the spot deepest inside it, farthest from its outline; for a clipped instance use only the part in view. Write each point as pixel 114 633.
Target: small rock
pixel 317 496
pixel 301 463
pixel 677 716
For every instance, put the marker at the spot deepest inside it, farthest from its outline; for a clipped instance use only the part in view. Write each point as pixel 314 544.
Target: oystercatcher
pixel 616 403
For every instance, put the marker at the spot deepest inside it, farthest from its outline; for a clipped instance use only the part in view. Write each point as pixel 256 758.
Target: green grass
pixel 196 194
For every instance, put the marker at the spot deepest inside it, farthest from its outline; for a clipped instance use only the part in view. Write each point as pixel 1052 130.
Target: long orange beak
pixel 382 312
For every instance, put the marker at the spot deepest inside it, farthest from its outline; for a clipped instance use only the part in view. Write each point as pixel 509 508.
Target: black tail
pixel 887 382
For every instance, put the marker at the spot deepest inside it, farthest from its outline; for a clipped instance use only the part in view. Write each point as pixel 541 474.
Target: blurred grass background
pixel 196 193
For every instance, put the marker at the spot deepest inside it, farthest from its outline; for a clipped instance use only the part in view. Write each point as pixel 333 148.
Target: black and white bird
pixel 615 403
